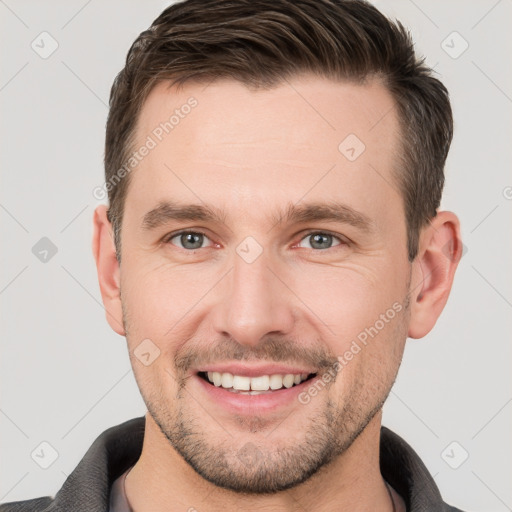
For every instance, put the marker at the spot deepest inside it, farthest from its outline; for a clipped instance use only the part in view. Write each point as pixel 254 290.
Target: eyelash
pixel 342 240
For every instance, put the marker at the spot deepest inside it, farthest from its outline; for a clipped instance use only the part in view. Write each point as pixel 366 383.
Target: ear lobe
pixel 440 251
pixel 108 270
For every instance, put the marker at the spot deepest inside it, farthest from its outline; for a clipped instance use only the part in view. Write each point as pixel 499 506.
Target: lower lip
pixel 243 403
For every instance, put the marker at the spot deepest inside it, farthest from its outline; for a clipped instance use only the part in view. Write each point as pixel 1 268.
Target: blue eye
pixel 320 240
pixel 193 240
pixel 189 240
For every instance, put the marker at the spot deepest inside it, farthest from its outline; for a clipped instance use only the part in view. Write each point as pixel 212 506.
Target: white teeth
pixel 241 383
pixel 227 380
pixel 288 380
pixel 216 378
pixel 255 385
pixel 260 383
pixel 276 382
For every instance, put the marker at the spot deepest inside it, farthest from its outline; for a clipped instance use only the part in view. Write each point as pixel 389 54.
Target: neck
pixel 162 480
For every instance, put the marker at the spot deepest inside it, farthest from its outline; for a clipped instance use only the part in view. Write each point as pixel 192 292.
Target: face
pixel 264 249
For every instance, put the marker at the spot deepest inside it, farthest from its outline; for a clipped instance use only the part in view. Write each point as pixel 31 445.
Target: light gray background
pixel 66 377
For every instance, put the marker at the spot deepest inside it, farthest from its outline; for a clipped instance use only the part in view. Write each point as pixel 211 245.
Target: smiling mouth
pixel 255 385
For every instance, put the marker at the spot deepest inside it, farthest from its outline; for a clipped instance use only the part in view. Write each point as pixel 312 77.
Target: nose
pixel 253 303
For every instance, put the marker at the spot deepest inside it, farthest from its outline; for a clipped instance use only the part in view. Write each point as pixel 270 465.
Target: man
pixel 274 171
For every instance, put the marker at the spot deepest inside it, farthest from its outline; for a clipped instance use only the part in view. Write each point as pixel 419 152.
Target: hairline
pixel 398 171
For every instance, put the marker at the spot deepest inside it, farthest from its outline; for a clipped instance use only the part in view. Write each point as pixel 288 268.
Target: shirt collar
pixel 119 447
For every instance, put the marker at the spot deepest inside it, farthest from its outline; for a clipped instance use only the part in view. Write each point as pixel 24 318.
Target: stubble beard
pixel 255 468
pixel 260 467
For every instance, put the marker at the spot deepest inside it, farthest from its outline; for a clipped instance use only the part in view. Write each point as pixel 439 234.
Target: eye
pixel 321 240
pixel 189 240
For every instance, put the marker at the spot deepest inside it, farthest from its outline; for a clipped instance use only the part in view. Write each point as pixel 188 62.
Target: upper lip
pixel 254 370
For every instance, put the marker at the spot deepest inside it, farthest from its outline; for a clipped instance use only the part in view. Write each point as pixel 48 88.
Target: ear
pixel 440 250
pixel 107 266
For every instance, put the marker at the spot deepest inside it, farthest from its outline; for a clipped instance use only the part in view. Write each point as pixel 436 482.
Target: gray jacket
pixel 87 488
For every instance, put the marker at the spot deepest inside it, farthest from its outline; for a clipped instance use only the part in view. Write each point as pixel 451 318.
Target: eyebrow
pixel 167 211
pixel 332 211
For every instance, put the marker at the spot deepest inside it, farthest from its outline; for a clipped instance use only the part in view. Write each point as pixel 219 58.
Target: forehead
pixel 227 144
pixel 230 111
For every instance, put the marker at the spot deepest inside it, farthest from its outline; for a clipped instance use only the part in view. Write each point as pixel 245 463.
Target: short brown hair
pixel 262 42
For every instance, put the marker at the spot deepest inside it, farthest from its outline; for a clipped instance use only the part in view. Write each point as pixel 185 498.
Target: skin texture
pixel 252 153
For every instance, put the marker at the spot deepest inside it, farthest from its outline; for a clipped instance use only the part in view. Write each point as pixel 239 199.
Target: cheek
pixel 157 298
pixel 349 301
pixel 156 383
